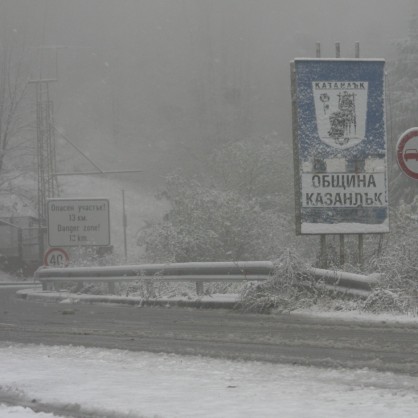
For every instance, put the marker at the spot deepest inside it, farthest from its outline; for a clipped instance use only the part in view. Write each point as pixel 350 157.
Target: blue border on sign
pixel 309 146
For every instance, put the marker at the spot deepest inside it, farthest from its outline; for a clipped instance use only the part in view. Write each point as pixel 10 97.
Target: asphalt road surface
pixel 285 338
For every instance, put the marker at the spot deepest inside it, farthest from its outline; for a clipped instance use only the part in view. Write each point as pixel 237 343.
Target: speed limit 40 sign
pixel 56 257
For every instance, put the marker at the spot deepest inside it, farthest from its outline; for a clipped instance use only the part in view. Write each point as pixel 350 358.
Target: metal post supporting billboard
pixel 360 236
pixel 360 251
pixel 125 225
pixel 323 256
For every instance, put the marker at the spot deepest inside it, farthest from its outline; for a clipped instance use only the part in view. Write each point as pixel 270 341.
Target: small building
pixel 19 242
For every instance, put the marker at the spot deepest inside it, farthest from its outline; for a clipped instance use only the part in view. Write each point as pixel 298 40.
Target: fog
pixel 155 84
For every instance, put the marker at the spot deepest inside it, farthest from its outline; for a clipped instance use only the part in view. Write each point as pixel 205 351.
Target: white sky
pixel 118 383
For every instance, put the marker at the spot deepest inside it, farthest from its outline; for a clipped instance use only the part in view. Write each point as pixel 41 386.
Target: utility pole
pixel 125 225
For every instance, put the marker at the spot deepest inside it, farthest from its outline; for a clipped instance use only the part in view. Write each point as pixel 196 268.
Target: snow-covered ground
pixel 112 383
pixel 115 383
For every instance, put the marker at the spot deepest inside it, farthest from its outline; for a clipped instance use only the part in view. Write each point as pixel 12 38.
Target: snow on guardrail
pixel 198 272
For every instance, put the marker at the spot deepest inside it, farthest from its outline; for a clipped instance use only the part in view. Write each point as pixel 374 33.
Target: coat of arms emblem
pixel 341 109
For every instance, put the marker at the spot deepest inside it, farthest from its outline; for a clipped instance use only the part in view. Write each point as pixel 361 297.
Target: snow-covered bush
pixel 256 170
pixel 93 256
pixel 372 248
pixel 291 287
pixel 384 300
pixel 402 105
pixel 398 263
pixel 207 224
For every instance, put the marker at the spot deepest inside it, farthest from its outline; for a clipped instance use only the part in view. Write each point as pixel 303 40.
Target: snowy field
pixel 114 383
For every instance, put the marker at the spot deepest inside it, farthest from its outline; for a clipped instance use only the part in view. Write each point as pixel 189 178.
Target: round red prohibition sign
pixel 56 257
pixel 407 153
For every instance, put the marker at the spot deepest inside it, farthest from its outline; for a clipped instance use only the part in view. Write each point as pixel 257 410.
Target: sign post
pixel 78 222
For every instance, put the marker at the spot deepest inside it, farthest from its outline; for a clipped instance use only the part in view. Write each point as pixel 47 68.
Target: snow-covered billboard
pixel 339 146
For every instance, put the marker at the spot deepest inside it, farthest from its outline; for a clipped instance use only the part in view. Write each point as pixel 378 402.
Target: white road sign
pixel 78 222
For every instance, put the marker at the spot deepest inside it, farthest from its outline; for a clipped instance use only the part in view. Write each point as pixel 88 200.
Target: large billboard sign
pixel 78 222
pixel 339 146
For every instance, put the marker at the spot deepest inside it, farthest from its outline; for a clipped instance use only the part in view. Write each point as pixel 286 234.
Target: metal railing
pixel 197 272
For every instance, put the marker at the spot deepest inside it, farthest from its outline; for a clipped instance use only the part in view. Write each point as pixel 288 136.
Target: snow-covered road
pixel 93 382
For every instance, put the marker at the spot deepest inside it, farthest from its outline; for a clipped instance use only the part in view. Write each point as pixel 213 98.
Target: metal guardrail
pixel 19 284
pixel 345 280
pixel 197 272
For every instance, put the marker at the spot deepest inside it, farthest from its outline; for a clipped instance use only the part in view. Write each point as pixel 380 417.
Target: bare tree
pixel 13 88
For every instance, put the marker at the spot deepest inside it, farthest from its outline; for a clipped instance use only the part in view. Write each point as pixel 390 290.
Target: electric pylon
pixel 45 153
pixel 45 149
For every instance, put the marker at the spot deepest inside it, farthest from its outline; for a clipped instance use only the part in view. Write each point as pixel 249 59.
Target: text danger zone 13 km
pixel 78 222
